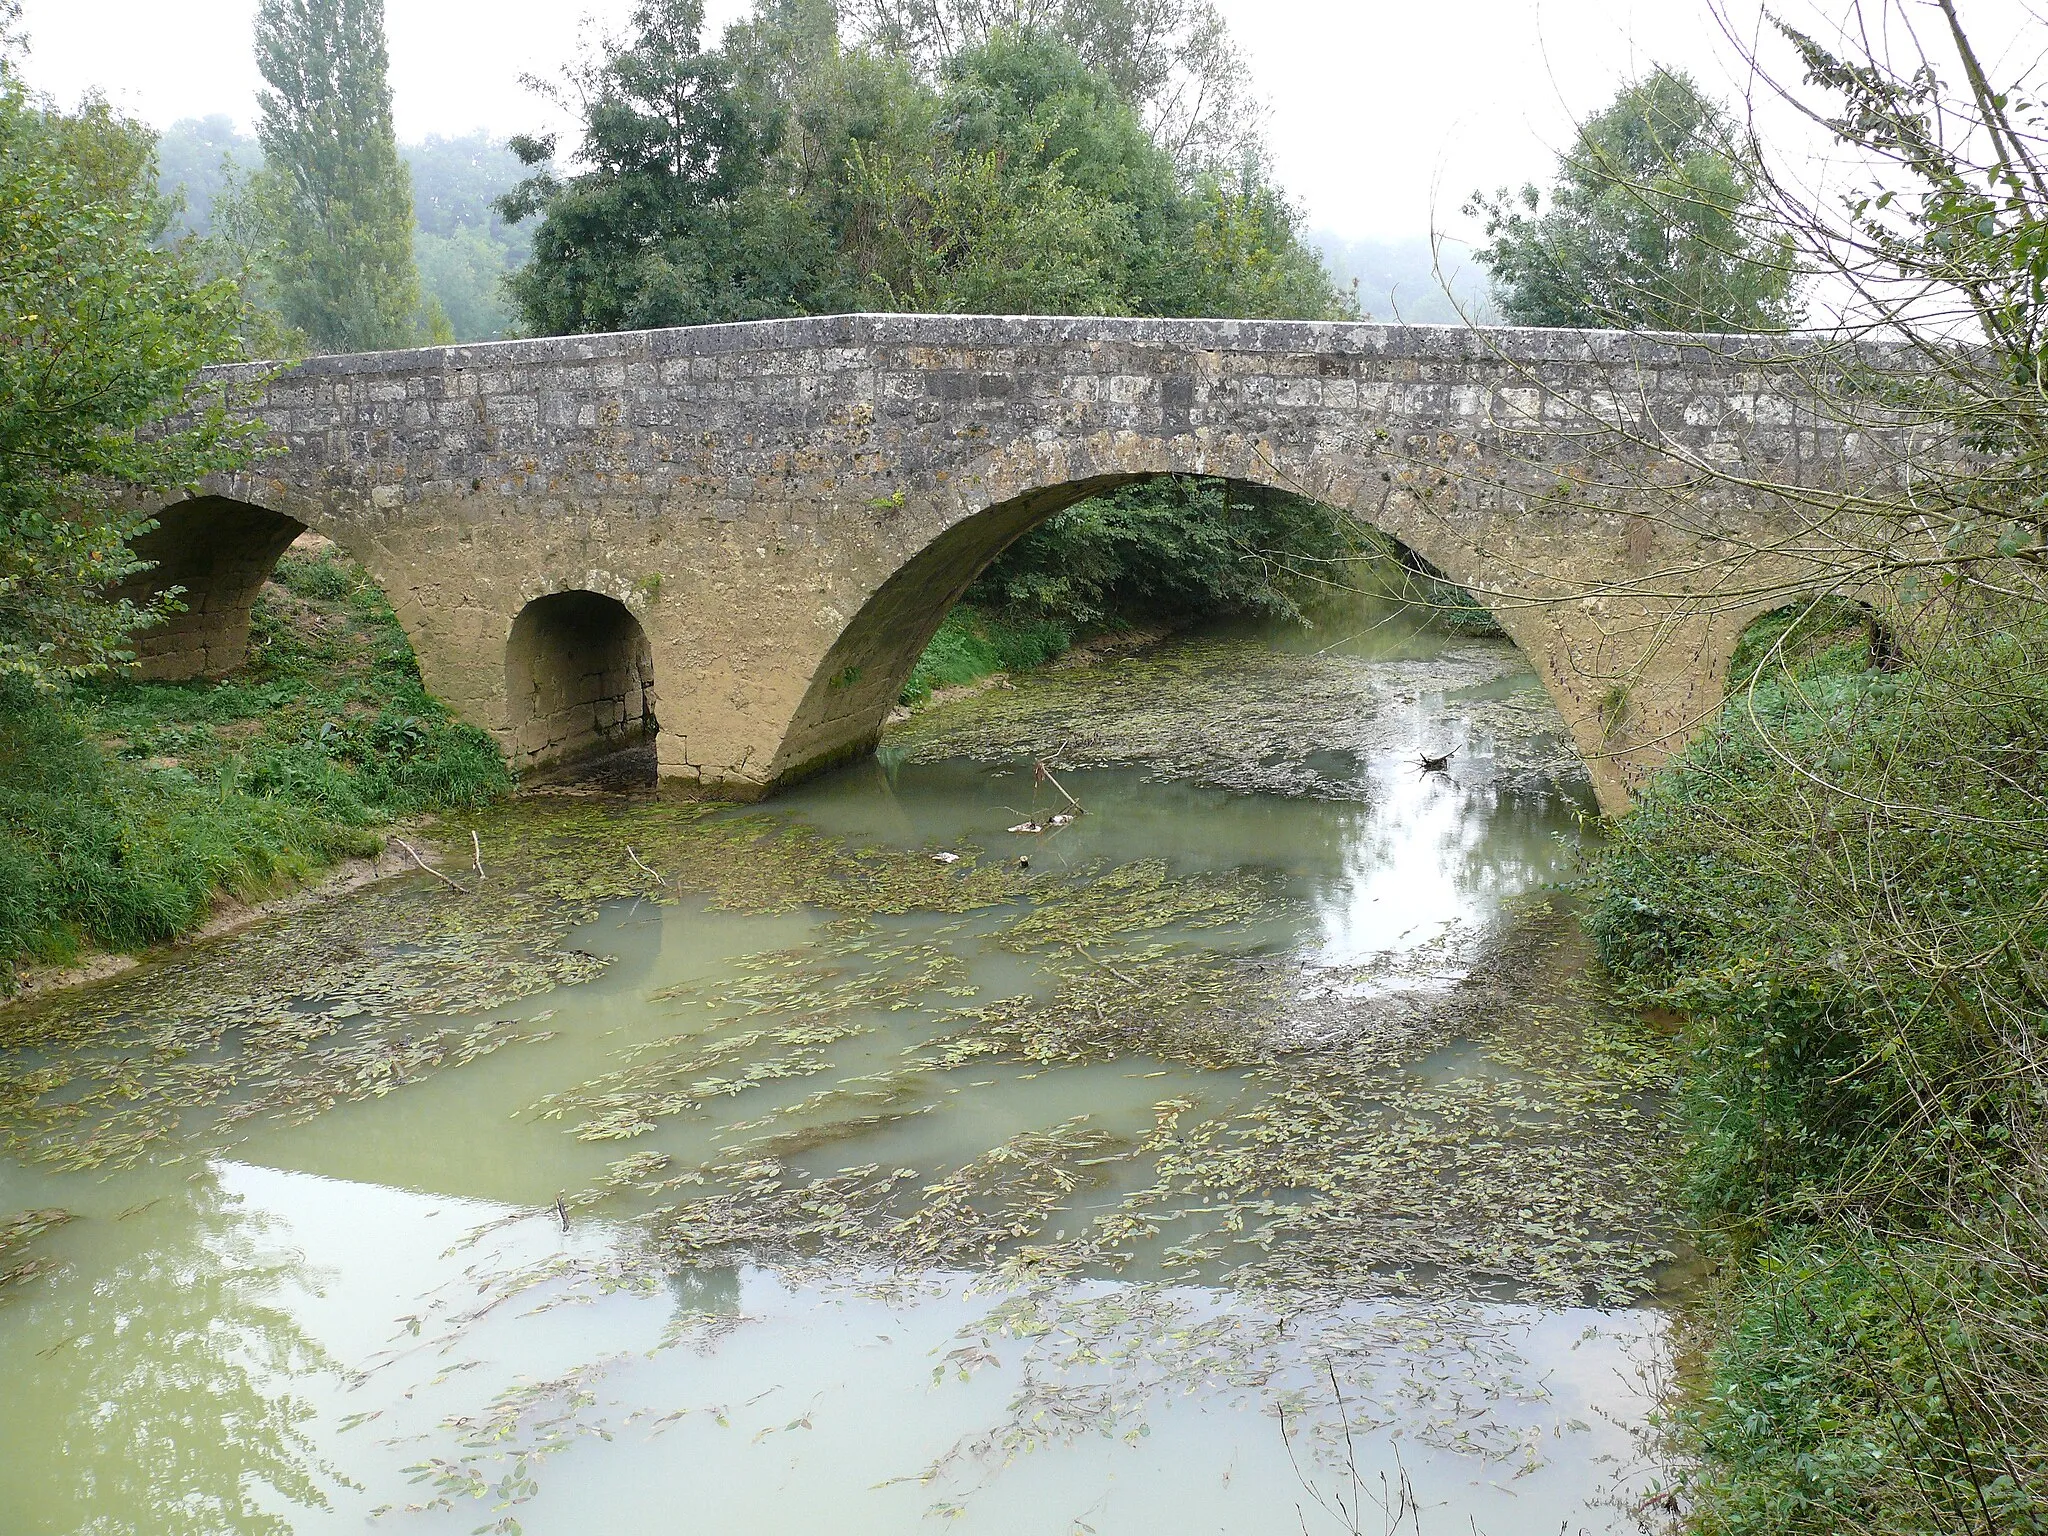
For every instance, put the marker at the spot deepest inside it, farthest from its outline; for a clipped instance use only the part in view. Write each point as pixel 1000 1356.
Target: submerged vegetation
pixel 899 1071
pixel 126 806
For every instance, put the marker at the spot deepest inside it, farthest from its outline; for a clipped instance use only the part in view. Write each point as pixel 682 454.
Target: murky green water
pixel 1249 1153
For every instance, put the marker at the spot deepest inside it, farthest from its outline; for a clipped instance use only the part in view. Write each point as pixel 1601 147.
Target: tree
pixel 102 331
pixel 788 174
pixel 462 245
pixel 197 160
pixel 1654 224
pixel 964 230
pixel 333 188
pixel 1172 61
pixel 652 232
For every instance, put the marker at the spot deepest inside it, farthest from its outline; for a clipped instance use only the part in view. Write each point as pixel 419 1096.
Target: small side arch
pixel 219 551
pixel 579 679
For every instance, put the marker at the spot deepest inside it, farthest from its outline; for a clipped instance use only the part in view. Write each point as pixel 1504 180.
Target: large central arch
pixel 861 677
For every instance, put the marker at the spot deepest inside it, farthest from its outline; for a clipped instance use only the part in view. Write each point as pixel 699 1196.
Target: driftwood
pixel 1430 764
pixel 1041 770
pixel 423 864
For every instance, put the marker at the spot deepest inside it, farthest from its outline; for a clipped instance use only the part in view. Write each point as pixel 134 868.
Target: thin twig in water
pixel 423 864
pixel 477 846
pixel 654 875
pixel 561 1210
pixel 1119 975
pixel 1045 772
pixel 1350 1450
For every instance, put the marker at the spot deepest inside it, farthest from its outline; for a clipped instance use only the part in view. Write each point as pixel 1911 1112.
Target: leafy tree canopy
pixel 102 330
pixel 1173 61
pixel 787 173
pixel 1654 224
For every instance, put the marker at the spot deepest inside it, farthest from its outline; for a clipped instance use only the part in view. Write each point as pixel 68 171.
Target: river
pixel 1246 1149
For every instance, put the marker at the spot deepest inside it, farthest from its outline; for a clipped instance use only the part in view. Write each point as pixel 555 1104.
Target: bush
pixel 971 644
pixel 1844 888
pixel 323 575
pixel 1172 549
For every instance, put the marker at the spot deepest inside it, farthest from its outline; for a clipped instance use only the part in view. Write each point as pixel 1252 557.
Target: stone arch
pixel 863 672
pixel 1822 620
pixel 579 678
pixel 220 551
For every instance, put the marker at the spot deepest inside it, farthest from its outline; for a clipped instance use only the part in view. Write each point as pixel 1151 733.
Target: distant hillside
pixel 1397 279
pixel 463 248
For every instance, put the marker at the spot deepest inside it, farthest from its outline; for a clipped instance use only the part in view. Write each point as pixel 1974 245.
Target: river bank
pixel 1842 889
pixel 1260 1131
pixel 136 813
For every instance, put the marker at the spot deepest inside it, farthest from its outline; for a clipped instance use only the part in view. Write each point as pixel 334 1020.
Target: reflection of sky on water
pixel 274 1351
pixel 1427 867
pixel 281 1342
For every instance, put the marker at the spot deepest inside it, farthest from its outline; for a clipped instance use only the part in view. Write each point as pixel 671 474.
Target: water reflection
pixel 159 1390
pixel 1114 1193
pixel 268 1367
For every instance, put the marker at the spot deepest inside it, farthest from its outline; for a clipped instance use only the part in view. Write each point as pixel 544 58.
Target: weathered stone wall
pixel 579 677
pixel 218 554
pixel 787 508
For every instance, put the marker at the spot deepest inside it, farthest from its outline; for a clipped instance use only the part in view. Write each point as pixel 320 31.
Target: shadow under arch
pixel 219 551
pixel 863 674
pixel 1788 635
pixel 579 679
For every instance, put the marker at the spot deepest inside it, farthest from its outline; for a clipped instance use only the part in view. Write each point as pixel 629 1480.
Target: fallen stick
pixel 654 875
pixel 476 843
pixel 1046 774
pixel 1119 975
pixel 423 864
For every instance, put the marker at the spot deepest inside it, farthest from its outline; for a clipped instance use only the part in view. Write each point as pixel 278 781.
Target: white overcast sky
pixel 1384 113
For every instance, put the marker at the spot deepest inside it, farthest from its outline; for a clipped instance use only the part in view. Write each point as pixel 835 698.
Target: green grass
pixel 1844 888
pixel 972 644
pixel 127 806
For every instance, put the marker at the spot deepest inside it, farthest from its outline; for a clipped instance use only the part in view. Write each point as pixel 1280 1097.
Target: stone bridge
pixel 753 530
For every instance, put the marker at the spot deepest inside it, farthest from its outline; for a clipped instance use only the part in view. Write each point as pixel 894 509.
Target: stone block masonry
pixel 764 523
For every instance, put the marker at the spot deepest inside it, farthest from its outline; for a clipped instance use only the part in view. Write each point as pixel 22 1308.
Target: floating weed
pixel 358 997
pixel 1320 1137
pixel 17 1232
pixel 1236 713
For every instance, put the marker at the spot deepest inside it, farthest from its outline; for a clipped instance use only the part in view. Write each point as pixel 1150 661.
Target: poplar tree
pixel 333 189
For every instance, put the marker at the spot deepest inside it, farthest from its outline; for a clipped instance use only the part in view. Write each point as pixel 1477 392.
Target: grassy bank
pixel 974 643
pixel 1844 888
pixel 126 807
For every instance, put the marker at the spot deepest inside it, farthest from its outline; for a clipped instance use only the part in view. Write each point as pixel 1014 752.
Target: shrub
pixel 1844 888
